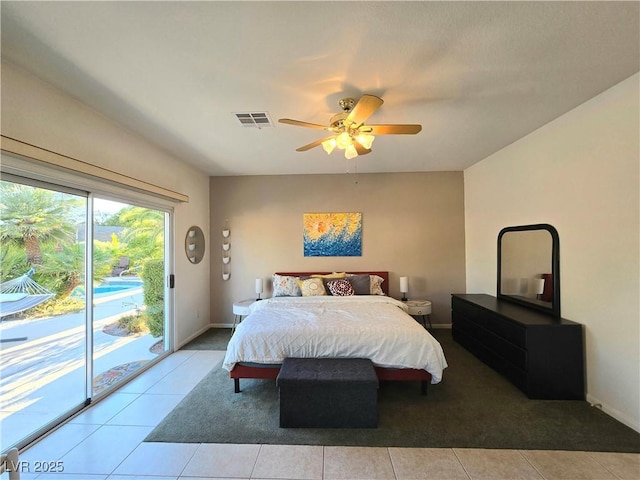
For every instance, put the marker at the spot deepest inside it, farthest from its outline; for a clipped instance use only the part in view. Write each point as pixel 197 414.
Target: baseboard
pixel 220 325
pixel 445 326
pixel 612 412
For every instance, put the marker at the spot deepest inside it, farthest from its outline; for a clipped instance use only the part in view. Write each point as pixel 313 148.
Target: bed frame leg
pixel 236 385
pixel 423 387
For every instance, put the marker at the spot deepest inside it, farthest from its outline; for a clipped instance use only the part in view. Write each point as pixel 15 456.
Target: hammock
pixel 21 294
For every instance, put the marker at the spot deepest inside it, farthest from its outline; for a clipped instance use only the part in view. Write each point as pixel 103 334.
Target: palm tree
pixel 13 261
pixel 144 231
pixel 31 217
pixel 64 269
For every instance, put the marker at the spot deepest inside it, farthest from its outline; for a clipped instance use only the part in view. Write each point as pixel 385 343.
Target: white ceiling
pixel 476 75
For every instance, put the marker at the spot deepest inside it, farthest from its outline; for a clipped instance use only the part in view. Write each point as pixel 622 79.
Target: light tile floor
pixel 105 442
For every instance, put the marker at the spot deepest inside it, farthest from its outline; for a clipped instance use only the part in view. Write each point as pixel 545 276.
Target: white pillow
pixel 312 287
pixel 376 284
pixel 285 286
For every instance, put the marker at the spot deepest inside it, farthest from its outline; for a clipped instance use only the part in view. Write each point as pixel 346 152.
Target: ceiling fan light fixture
pixel 366 140
pixel 348 129
pixel 350 152
pixel 329 145
pixel 343 140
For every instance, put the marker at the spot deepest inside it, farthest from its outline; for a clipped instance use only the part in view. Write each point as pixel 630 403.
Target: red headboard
pixel 385 275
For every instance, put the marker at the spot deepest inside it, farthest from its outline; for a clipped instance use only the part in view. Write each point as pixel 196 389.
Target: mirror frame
pixel 194 243
pixel 555 268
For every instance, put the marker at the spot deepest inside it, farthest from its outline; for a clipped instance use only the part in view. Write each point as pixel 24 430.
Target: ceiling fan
pixel 349 133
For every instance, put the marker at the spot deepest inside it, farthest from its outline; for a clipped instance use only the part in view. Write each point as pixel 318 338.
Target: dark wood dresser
pixel 541 354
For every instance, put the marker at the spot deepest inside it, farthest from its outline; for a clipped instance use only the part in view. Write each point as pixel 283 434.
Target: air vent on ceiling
pixel 254 119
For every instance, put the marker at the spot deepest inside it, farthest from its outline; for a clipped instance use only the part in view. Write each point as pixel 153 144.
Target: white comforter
pixel 367 326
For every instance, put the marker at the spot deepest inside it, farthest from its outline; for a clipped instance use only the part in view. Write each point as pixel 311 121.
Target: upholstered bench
pixel 328 393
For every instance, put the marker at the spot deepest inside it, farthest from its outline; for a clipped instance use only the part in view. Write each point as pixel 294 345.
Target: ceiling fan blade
pixel 397 129
pixel 309 146
pixel 360 149
pixel 298 123
pixel 363 110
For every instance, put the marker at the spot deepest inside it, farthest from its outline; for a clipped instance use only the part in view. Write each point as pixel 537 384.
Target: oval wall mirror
pixel 529 267
pixel 194 244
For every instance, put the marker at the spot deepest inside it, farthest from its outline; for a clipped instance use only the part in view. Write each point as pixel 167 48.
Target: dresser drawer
pixel 464 324
pixel 505 349
pixel 515 375
pixel 510 331
pixel 469 311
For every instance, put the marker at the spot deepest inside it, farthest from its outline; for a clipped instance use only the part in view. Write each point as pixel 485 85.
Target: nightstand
pixel 241 309
pixel 420 308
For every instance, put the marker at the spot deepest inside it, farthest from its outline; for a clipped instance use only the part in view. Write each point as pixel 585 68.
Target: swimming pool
pixel 112 288
pixel 107 287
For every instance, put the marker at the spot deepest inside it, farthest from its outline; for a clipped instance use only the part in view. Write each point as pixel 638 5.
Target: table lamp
pixel 258 288
pixel 404 287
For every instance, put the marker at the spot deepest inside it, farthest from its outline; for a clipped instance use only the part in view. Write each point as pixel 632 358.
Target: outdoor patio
pixel 42 362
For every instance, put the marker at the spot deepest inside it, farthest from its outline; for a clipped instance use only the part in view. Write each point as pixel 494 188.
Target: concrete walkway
pixel 44 376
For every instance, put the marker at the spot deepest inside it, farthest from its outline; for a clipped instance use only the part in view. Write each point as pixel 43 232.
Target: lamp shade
pixel 258 285
pixel 329 145
pixel 404 284
pixel 365 140
pixel 343 140
pixel 350 152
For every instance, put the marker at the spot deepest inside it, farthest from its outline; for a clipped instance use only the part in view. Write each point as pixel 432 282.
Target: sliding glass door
pixel 43 355
pixel 83 300
pixel 129 316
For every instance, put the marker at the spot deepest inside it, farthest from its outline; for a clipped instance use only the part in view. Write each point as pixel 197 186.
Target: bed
pixel 373 326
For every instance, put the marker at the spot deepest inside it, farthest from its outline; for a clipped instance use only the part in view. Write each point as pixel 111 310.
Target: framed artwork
pixel 332 234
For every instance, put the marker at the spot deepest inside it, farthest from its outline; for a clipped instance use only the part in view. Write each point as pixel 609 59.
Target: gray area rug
pixel 212 339
pixel 473 407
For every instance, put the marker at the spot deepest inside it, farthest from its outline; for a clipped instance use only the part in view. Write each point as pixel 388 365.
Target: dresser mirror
pixel 529 267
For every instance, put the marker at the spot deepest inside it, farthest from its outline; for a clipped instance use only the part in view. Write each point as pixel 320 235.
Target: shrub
pixel 56 306
pixel 133 324
pixel 153 288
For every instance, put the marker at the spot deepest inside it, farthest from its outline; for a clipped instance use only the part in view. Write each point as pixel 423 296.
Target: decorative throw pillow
pixel 312 287
pixel 376 285
pixel 285 286
pixel 330 275
pixel 340 287
pixel 361 284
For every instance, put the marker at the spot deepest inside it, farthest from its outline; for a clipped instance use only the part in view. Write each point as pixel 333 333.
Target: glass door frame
pixel 88 266
pixel 35 174
pixel 168 292
pixel 86 400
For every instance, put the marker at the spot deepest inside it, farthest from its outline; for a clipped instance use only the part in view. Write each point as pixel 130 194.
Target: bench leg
pixel 236 385
pixel 423 387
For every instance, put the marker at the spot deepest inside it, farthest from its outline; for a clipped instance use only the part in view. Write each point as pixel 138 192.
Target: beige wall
pixel 35 112
pixel 580 174
pixel 413 225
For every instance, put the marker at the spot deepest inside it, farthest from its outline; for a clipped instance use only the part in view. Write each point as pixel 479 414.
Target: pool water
pixel 107 287
pixel 110 288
